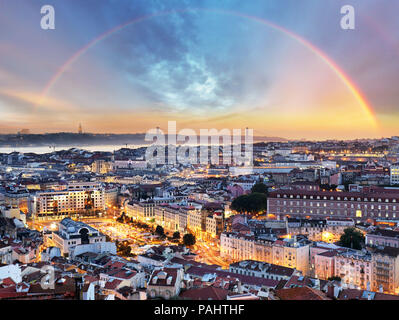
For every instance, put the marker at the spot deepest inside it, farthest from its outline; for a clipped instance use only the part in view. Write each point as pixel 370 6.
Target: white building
pixel 78 198
pixel 12 271
pixel 74 233
pixel 291 253
pixel 354 268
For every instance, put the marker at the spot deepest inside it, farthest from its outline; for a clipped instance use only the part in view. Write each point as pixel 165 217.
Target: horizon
pixel 182 135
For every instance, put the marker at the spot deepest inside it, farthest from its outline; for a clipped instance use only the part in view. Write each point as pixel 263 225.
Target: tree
pixel 123 248
pixel 352 238
pixel 188 239
pixel 260 187
pixel 159 231
pixel 176 235
pixel 251 203
pixel 336 278
pixel 328 187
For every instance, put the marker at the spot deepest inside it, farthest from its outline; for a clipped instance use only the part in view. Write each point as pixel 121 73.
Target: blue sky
pixel 201 68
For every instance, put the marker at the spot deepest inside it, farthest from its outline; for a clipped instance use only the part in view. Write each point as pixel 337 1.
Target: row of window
pixel 336 198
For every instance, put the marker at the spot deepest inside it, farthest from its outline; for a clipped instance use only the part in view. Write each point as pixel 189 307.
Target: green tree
pixel 250 203
pixel 352 238
pixel 259 187
pixel 189 239
pixel 123 248
pixel 159 231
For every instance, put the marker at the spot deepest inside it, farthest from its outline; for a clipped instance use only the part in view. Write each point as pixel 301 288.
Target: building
pixel 262 270
pixel 394 174
pixel 74 233
pixel 332 204
pixel 141 211
pixel 79 199
pixel 291 253
pixel 101 166
pixel 326 230
pixel 111 196
pixel 165 283
pixel 324 264
pixel 354 268
pixel 385 270
pixel 383 237
pixel 214 225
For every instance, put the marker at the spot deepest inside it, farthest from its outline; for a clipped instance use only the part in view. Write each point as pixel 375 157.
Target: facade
pixel 173 217
pixel 291 253
pixel 354 268
pixel 394 174
pixel 78 199
pixel 214 225
pixel 262 270
pixel 101 166
pixel 326 204
pixel 385 270
pixel 324 264
pixel 141 211
pixel 73 233
pixel 111 196
pixel 165 283
pixel 383 237
pixel 197 222
pixel 326 230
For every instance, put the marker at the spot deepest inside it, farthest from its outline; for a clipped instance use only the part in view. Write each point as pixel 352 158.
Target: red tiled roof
pixel 112 284
pixel 300 293
pixel 207 293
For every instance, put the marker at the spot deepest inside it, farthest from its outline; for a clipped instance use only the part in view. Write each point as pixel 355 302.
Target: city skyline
pixel 281 68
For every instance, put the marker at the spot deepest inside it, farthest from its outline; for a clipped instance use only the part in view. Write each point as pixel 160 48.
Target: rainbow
pixel 318 52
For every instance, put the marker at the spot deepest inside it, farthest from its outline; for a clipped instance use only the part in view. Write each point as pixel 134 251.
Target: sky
pixel 284 68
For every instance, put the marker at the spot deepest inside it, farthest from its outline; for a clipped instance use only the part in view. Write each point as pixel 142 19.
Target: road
pixel 207 252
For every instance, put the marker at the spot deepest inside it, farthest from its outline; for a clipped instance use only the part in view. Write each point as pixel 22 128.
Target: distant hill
pixel 86 139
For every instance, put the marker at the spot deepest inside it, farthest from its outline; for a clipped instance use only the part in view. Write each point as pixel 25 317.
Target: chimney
pixel 78 286
pixel 337 291
pixel 317 284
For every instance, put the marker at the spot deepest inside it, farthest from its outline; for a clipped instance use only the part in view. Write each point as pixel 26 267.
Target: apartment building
pixel 101 166
pixel 383 237
pixel 326 230
pixel 394 174
pixel 263 270
pixel 291 253
pixel 143 211
pixel 324 264
pixel 325 204
pixel 237 247
pixel 77 199
pixel 354 268
pixel 385 270
pixel 173 217
pixel 214 225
